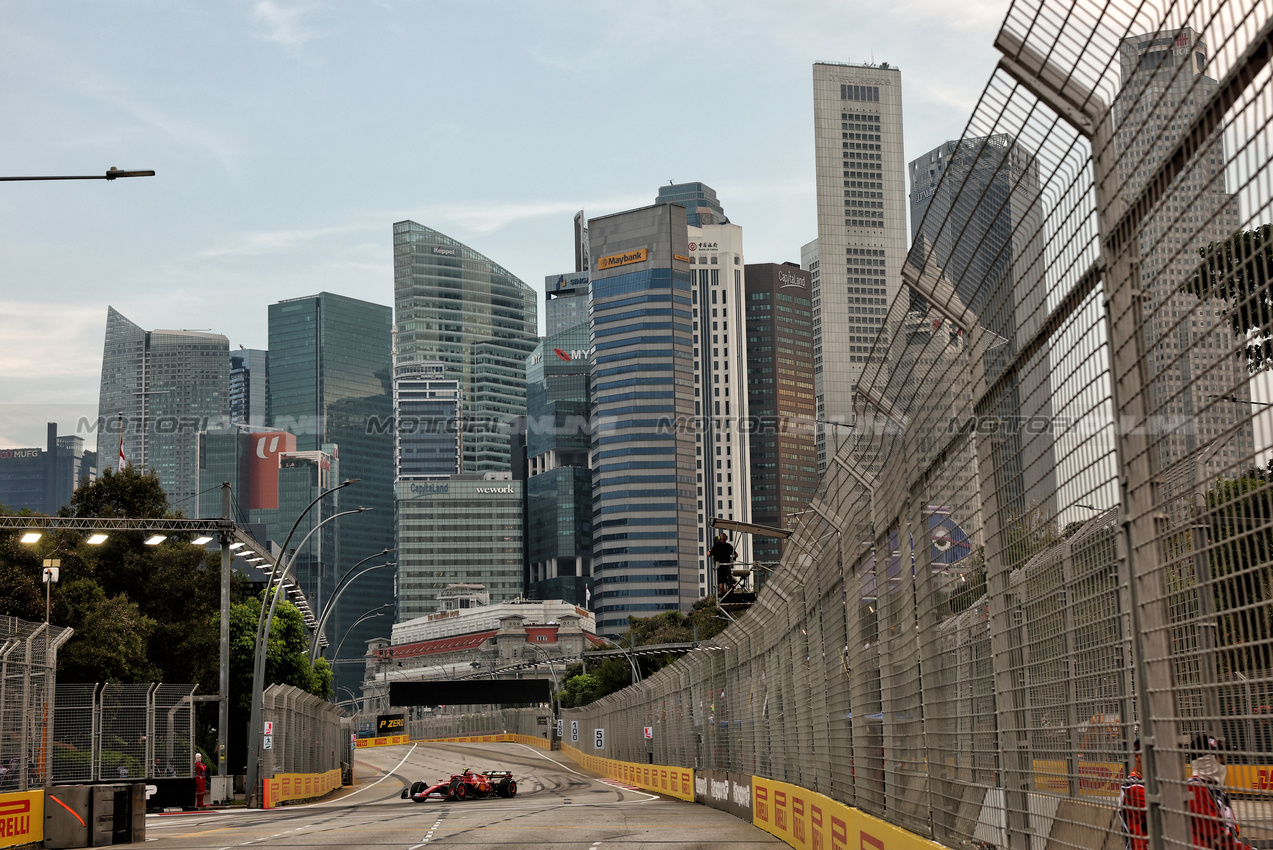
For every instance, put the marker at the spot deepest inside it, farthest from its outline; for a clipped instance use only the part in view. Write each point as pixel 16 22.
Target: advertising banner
pixel 810 821
pixel 21 818
pixel 298 786
pixel 729 792
pixel 390 724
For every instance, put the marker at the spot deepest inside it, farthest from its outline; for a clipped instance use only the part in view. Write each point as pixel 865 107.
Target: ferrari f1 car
pixel 465 786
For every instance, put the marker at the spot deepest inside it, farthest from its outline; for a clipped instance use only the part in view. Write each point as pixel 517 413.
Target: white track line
pixel 388 773
pixel 577 773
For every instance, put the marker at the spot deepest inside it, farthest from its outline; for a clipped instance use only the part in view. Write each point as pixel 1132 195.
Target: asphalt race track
pixel 558 805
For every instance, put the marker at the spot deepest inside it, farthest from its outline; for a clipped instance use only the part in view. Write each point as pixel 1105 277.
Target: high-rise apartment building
pixel 645 546
pixel 861 189
pixel 249 387
pixel 559 477
pixel 162 388
pixel 1164 85
pixel 330 383
pixel 985 193
pixel 459 308
pixel 784 457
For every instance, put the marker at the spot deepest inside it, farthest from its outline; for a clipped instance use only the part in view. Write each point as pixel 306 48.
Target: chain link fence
pixel 110 732
pixel 310 735
pixel 28 664
pixel 1051 533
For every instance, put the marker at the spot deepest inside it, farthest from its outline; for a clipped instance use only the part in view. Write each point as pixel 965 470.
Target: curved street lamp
pixel 341 586
pixel 262 630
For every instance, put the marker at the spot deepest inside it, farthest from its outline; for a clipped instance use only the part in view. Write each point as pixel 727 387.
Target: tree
pixel 111 636
pixel 1240 526
pixel 1238 271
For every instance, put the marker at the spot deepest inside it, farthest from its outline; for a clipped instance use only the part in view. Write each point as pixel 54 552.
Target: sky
pixel 287 138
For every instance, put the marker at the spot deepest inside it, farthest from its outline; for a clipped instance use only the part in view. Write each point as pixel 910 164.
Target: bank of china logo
pixel 693 246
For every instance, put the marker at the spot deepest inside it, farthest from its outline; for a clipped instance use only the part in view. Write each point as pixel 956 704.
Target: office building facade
pixel 976 208
pixel 565 301
pixel 461 529
pixel 330 384
pixel 784 457
pixel 42 480
pixel 458 307
pixel 860 172
pixel 642 384
pixel 161 388
pixel 427 421
pixel 249 387
pixel 559 475
pixel 1164 85
pixel 721 441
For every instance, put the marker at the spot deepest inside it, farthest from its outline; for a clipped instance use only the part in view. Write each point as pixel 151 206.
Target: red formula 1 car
pixel 465 786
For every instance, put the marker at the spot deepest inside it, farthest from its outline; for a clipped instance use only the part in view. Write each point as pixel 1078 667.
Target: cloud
pixel 284 23
pixel 486 218
pixel 268 242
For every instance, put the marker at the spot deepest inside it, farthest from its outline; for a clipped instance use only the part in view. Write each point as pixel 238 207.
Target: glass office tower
pixel 643 421
pixel 164 386
pixel 330 382
pixel 460 308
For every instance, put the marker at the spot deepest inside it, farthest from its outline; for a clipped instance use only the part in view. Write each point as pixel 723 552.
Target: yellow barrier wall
pixel 504 737
pixel 811 821
pixel 21 818
pixel 362 743
pixel 674 781
pixel 298 786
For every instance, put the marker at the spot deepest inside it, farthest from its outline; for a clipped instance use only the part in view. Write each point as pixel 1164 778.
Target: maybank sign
pixel 616 260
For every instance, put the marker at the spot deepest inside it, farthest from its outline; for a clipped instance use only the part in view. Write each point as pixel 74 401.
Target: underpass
pixel 558 805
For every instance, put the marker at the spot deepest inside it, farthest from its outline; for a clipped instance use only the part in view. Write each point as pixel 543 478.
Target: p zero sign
pixel 390 724
pixel 615 260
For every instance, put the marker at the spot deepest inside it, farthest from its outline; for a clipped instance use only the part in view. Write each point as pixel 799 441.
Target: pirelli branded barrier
pixel 21 818
pixel 298 786
pixel 382 742
pixel 528 740
pixel 810 821
pixel 673 781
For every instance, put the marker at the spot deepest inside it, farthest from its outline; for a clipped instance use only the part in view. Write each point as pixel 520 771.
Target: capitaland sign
pixel 786 279
pixel 624 259
pixel 443 252
pixel 419 489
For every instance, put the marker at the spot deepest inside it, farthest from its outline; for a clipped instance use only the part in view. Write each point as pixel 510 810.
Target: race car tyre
pixel 512 789
pixel 461 791
pixel 416 788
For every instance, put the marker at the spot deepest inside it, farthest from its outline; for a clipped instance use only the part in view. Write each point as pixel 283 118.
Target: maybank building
pixel 466 529
pixel 642 387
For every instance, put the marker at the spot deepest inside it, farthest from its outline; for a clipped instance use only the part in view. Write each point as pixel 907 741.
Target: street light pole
pixel 258 670
pixel 111 174
pixel 223 700
pixel 330 607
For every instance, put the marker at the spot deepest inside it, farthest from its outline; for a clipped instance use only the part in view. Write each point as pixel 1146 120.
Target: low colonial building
pixel 471 637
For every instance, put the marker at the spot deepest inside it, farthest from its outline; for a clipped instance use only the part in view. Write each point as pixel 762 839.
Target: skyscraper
pixel 559 478
pixel 330 383
pixel 249 387
pixel 644 513
pixel 984 192
pixel 460 308
pixel 861 188
pixel 565 301
pixel 1192 366
pixel 163 387
pixel 721 439
pixel 784 458
pixel 427 416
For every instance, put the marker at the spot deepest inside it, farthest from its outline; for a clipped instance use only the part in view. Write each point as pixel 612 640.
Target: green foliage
pixel 132 493
pixel 1238 271
pixel 286 654
pixel 111 636
pixel 579 691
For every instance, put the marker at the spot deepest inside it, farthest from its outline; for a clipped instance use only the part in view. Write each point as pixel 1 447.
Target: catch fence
pixel 309 735
pixel 1051 532
pixel 110 732
pixel 28 666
